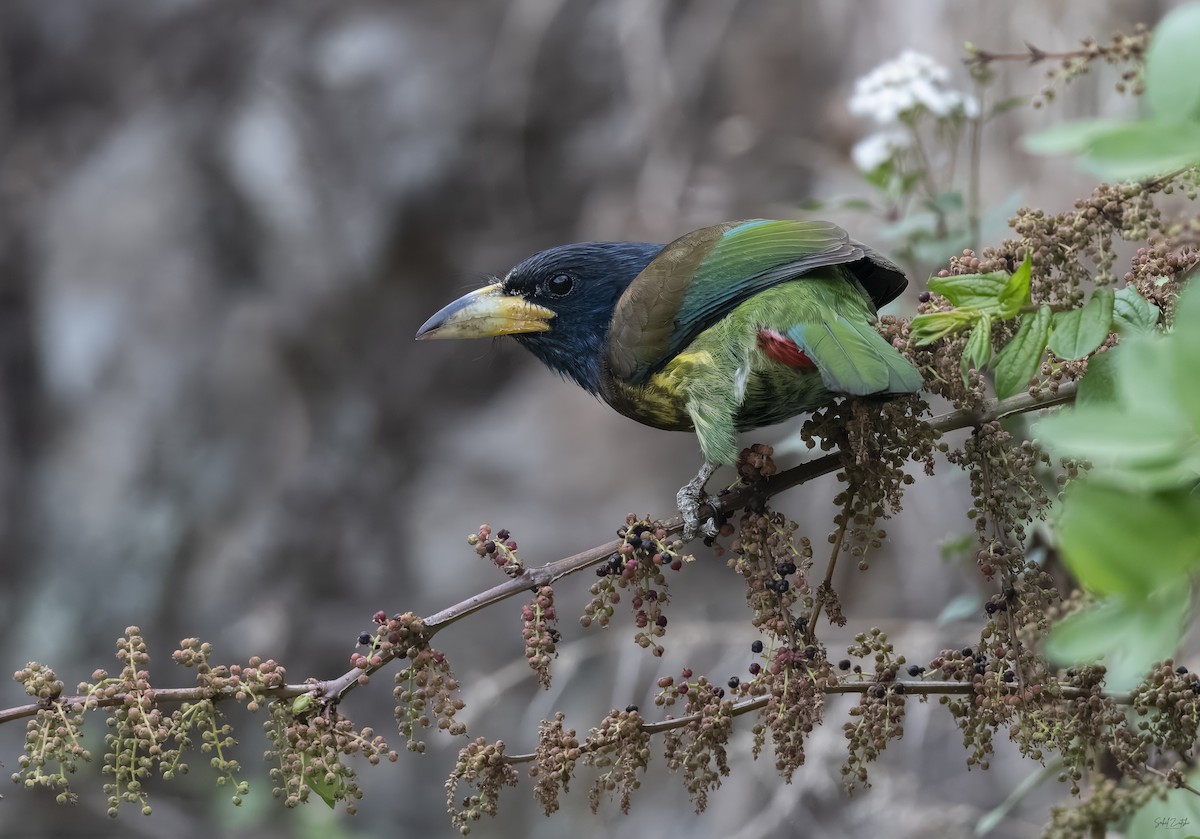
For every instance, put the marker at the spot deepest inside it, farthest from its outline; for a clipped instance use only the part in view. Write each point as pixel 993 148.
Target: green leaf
pixel 978 351
pixel 1073 136
pixel 1015 293
pixel 1133 312
pixel 924 223
pixel 329 792
pixel 930 327
pixel 1108 536
pixel 1178 813
pixel 1016 364
pixel 990 820
pixel 938 249
pixel 957 547
pixel 1139 447
pixel 1125 635
pixel 1079 331
pixel 977 290
pixel 1158 374
pixel 948 203
pixel 1173 66
pixel 1006 105
pixel 960 608
pixel 1099 384
pixel 1142 149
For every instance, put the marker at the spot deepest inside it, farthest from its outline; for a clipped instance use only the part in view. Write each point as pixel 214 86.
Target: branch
pixel 333 691
pixel 921 688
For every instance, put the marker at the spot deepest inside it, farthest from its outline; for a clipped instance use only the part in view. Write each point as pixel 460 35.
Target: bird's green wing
pixel 853 358
pixel 700 277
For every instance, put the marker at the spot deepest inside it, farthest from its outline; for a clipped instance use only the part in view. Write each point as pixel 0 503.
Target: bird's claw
pixel 689 499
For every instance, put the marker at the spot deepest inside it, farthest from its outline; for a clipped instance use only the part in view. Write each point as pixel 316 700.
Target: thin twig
pixel 810 627
pixel 334 690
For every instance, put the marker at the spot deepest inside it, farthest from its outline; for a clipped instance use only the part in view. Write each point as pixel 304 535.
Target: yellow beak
pixel 485 313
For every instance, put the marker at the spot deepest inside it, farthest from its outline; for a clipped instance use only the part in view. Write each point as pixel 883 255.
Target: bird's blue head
pixel 557 303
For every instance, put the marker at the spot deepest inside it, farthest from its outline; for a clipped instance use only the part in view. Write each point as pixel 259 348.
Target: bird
pixel 727 328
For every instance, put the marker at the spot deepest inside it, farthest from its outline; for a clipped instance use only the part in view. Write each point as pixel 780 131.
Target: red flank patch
pixel 780 348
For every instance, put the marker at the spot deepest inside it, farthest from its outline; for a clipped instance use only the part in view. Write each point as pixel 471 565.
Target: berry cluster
pixel 426 686
pixel 52 738
pixel 879 716
pixel 541 638
pixel 639 564
pixel 774 565
pixel 308 748
pixel 795 682
pixel 501 550
pixel 138 729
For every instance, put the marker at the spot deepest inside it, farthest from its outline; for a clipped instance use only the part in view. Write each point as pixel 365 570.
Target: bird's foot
pixel 689 498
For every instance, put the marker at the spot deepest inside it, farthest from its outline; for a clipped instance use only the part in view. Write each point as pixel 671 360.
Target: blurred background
pixel 221 223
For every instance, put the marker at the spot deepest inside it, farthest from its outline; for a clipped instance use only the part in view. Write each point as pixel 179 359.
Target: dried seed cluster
pixel 879 716
pixel 482 766
pixel 699 748
pixel 621 746
pixel 558 751
pixel 1122 49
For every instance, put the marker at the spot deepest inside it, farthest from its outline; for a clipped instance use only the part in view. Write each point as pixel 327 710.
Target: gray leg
pixel 689 499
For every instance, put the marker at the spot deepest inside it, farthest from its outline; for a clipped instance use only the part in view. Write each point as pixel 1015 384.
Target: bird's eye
pixel 560 284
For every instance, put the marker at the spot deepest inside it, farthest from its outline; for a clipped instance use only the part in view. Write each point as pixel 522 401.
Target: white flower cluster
pixel 912 80
pixel 876 149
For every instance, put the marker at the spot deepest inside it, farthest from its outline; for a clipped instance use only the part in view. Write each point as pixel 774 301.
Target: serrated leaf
pixel 1077 332
pixel 1016 364
pixel 1065 137
pixel 1015 293
pixel 1173 66
pixel 1133 312
pixel 1106 535
pixel 1125 635
pixel 930 327
pixel 978 351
